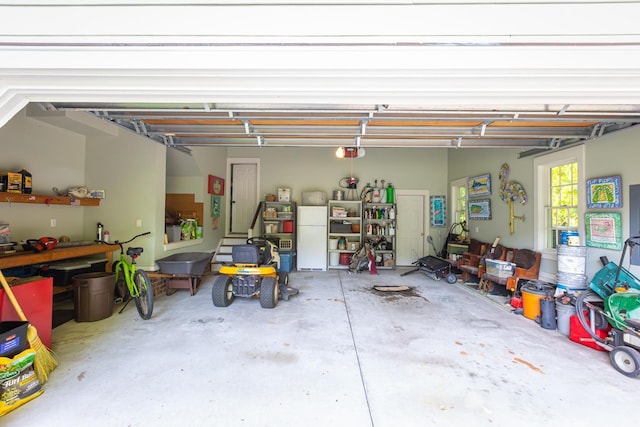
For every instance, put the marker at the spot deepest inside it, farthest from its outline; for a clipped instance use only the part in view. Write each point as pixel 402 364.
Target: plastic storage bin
pixel 286 261
pixel 500 268
pixel 64 272
pixel 93 296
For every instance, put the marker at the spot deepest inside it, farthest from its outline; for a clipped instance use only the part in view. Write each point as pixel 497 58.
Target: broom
pixel 44 362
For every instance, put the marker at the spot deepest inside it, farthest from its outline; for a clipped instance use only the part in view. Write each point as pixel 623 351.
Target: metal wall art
pixel 604 193
pixel 510 191
pixel 479 186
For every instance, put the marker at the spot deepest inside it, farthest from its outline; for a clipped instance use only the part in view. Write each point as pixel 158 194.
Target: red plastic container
pixel 287 226
pixel 345 258
pixel 578 334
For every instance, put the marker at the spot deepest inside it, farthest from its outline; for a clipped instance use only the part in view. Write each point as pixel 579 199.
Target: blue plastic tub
pixel 286 261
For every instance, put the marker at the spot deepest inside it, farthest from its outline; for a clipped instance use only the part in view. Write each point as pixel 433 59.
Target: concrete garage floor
pixel 338 354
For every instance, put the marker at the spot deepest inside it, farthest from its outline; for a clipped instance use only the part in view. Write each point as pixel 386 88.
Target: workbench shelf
pixel 38 199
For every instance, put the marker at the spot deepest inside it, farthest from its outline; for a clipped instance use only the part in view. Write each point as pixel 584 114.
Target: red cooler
pixel 287 226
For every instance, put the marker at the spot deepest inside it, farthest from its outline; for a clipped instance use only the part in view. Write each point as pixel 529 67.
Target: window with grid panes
pixel 563 197
pixel 461 208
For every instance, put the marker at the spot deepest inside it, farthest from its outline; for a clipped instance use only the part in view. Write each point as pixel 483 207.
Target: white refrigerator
pixel 311 244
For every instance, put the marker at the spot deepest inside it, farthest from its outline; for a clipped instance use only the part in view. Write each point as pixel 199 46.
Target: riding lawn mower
pixel 255 273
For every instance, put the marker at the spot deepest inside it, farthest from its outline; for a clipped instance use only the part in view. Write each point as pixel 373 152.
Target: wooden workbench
pixel 29 258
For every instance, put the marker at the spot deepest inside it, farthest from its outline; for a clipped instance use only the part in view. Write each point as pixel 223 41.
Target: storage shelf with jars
pixel 279 224
pixel 344 232
pixel 379 230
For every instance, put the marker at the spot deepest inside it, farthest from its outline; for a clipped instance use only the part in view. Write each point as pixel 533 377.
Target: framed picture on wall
pixel 215 206
pixel 438 210
pixel 604 193
pixel 479 209
pixel 604 229
pixel 216 185
pixel 479 186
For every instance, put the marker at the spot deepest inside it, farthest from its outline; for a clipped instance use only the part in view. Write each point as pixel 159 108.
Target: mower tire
pixel 626 360
pixel 222 291
pixel 283 278
pixel 269 292
pixel 452 278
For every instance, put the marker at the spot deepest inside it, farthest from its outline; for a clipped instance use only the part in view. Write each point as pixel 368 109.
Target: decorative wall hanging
pixel 216 185
pixel 479 209
pixel 510 192
pixel 604 229
pixel 215 206
pixel 438 211
pixel 479 186
pixel 604 193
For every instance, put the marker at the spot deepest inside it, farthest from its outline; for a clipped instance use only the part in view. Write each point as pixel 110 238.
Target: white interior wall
pixel 132 170
pixel 56 158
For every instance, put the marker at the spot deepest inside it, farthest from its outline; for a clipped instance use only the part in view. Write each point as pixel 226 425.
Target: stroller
pixel 614 299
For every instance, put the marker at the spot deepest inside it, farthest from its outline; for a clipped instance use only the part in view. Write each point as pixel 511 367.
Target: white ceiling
pixel 396 73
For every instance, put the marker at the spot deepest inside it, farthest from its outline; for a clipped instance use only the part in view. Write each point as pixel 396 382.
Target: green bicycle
pixel 133 283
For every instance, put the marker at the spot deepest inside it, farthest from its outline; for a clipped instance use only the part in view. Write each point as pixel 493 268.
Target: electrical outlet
pixel 138 223
pixel 53 222
pixel 477 229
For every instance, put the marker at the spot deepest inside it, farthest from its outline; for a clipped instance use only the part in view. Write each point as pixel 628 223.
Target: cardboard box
pixel 314 198
pixel 13 338
pixel 14 182
pixel 284 194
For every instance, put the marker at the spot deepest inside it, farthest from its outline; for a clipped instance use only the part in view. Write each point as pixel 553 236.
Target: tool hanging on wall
pixel 509 193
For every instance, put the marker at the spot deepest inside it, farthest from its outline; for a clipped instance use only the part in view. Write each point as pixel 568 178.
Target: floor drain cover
pixel 392 288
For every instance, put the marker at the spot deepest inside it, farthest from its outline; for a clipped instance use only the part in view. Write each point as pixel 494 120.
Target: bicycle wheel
pixel 144 300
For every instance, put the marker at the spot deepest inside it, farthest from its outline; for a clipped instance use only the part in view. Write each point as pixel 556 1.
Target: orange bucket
pixel 532 293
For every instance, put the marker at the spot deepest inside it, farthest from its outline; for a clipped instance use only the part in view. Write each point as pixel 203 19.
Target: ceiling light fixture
pixel 350 152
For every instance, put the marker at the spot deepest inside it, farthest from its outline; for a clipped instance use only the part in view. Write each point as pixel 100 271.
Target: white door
pixel 412 225
pixel 243 195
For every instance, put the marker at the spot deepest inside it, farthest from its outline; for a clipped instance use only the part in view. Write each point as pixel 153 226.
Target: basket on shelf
pixel 285 244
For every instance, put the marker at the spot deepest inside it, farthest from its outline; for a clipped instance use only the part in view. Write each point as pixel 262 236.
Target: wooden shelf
pixel 29 258
pixel 46 200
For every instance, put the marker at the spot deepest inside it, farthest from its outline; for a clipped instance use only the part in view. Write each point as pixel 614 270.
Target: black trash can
pixel 93 296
